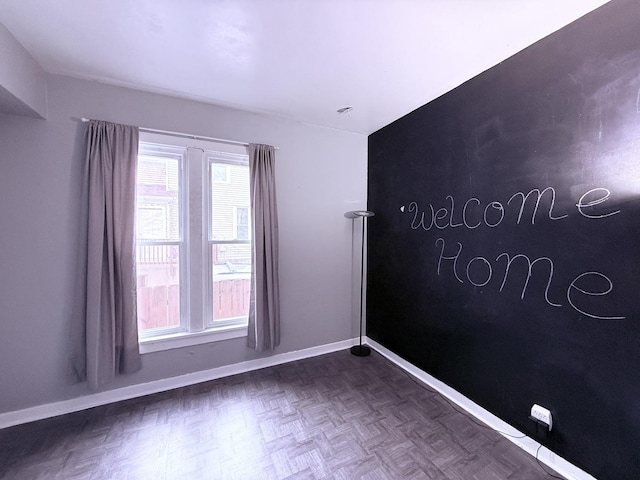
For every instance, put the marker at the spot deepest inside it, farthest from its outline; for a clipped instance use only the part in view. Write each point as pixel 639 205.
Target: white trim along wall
pixel 546 456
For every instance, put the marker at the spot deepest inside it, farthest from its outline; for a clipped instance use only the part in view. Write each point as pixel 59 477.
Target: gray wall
pixel 321 173
pixel 23 88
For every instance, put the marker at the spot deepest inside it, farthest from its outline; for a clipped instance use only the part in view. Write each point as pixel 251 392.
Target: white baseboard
pixel 546 456
pixel 40 412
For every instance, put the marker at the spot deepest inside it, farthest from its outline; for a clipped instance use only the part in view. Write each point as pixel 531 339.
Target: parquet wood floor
pixel 335 416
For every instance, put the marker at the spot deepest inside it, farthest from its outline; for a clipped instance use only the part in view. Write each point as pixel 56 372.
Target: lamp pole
pixel 360 350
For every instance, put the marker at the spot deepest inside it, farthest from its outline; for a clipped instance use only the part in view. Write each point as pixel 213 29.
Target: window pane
pixel 152 221
pixel 231 280
pixel 242 223
pixel 219 173
pixel 158 270
pixel 158 196
pixel 228 200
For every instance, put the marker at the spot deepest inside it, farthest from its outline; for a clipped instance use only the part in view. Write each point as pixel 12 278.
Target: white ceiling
pixel 300 59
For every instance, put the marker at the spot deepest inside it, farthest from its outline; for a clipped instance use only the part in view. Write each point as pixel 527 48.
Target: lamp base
pixel 360 350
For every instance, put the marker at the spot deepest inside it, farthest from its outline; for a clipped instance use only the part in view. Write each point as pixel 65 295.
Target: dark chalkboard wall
pixel 504 257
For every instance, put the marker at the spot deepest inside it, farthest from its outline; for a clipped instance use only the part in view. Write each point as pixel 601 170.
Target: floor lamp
pixel 360 350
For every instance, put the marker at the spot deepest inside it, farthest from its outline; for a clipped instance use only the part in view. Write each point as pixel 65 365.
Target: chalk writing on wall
pixel 478 271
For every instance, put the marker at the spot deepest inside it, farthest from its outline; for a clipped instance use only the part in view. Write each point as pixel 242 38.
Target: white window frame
pixel 196 306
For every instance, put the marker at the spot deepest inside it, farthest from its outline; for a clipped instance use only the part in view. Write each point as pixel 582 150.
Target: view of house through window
pixel 193 236
pixel 229 236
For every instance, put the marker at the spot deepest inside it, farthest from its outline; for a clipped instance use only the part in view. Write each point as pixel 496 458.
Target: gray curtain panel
pixel 111 318
pixel 264 309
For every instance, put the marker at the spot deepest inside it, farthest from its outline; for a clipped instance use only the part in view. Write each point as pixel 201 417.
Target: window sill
pixel 177 340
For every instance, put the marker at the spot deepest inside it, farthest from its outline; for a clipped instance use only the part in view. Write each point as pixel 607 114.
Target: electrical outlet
pixel 542 414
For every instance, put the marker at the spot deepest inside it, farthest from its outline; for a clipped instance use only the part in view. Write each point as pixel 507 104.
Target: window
pixel 219 173
pixel 242 223
pixel 152 221
pixel 193 242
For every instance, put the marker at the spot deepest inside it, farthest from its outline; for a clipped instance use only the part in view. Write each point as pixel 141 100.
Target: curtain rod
pixel 186 135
